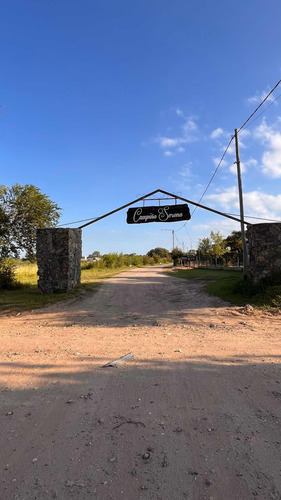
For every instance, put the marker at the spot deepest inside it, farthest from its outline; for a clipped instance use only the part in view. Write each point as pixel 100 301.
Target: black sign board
pixel 166 213
pixel 190 258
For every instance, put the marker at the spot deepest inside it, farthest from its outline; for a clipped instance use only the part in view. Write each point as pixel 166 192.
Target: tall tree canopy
pixel 214 246
pixel 218 244
pixel 234 241
pixel 163 253
pixel 205 247
pixel 23 209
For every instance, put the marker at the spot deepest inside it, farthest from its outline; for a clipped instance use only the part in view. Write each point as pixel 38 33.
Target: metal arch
pixel 176 197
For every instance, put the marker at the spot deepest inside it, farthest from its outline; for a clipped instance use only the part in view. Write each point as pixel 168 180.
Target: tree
pixel 234 241
pixel 176 254
pixel 162 253
pixel 218 245
pixel 23 209
pixel 205 247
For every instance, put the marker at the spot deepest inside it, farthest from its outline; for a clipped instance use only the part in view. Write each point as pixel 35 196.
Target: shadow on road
pixel 197 428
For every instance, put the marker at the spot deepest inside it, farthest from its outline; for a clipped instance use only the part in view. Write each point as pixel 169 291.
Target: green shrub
pixel 247 288
pixel 271 297
pixel 266 293
pixel 120 260
pixel 8 275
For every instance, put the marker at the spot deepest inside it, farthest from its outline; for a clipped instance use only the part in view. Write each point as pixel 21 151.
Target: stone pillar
pixel 264 242
pixel 59 253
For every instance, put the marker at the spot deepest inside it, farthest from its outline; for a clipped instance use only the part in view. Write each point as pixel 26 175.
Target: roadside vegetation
pixel 230 286
pixel 18 278
pixel 25 208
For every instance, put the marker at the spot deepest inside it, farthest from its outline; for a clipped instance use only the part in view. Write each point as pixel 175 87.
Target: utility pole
pixel 244 245
pixel 173 235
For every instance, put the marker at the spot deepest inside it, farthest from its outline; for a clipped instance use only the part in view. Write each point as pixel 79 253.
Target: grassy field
pixel 230 286
pixel 27 296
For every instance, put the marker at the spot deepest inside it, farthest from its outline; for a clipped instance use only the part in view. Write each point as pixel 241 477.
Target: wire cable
pixel 257 117
pixel 220 162
pixel 258 107
pixel 75 221
pixel 258 218
pixel 208 185
pixel 231 139
pixel 218 166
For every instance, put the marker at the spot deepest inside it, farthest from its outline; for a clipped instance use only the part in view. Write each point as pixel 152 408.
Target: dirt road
pixel 196 415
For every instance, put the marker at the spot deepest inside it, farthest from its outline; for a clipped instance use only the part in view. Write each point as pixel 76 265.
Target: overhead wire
pixel 75 221
pixel 220 161
pixel 257 117
pixel 177 240
pixel 259 106
pixel 229 143
pixel 258 218
pixel 208 185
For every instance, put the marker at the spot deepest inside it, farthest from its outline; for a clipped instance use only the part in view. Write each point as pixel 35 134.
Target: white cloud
pixel 183 182
pixel 168 142
pixel 260 96
pixel 256 203
pixel 189 127
pixel 263 204
pixel 244 133
pixel 186 171
pixel 271 158
pixel 216 160
pixel 180 186
pixel 244 165
pixel 168 153
pixel 179 112
pixel 226 199
pixel 189 134
pixel 217 133
pixel 224 226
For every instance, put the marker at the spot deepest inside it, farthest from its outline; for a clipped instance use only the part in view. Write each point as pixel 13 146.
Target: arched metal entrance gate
pixel 59 249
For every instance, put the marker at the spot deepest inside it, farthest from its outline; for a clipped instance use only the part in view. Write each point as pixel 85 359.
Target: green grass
pixel 230 286
pixel 27 296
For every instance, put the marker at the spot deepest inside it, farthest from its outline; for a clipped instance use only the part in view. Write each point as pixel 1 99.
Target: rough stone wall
pixel 264 242
pixel 59 253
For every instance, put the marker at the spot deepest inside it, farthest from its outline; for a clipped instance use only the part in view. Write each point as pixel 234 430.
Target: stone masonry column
pixel 264 242
pixel 59 253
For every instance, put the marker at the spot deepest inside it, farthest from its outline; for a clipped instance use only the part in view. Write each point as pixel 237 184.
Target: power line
pixel 218 166
pixel 231 139
pixel 220 162
pixel 258 107
pixel 177 240
pixel 258 218
pixel 75 221
pixel 257 117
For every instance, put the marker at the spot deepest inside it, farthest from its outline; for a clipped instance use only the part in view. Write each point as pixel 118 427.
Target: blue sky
pixel 107 101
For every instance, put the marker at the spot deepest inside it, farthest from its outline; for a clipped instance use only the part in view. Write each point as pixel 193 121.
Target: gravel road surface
pixel 195 415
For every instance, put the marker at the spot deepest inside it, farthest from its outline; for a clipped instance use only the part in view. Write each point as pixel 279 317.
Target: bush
pixel 271 297
pixel 247 288
pixel 266 293
pixel 120 260
pixel 8 275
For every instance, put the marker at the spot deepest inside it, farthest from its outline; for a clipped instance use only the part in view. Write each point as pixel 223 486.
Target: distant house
pixel 92 257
